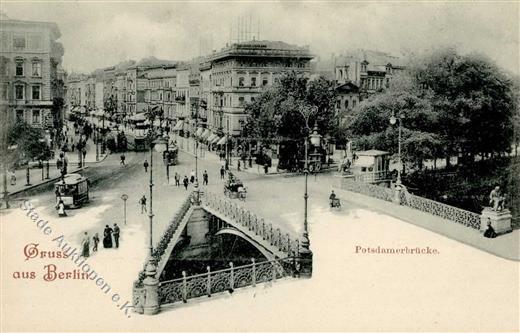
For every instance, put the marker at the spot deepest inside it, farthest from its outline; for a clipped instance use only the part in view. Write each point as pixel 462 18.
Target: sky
pixel 98 34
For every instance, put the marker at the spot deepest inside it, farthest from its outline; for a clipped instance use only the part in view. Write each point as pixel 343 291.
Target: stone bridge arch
pixel 232 231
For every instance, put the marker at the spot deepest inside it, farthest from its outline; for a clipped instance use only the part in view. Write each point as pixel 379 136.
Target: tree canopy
pixel 449 103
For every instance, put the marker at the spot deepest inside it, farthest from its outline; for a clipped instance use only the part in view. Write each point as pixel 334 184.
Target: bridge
pixel 207 215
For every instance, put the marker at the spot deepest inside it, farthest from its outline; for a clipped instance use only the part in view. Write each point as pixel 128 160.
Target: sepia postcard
pixel 259 166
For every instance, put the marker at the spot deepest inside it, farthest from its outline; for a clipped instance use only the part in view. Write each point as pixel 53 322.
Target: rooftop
pixel 262 48
pixel 53 27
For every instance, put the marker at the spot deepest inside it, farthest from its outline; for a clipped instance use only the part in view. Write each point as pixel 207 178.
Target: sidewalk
pixel 187 145
pixel 506 246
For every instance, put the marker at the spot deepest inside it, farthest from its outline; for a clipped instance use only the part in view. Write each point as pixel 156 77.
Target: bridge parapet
pixel 273 238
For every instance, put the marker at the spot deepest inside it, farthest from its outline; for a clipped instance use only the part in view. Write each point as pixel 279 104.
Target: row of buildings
pixel 211 92
pixel 32 80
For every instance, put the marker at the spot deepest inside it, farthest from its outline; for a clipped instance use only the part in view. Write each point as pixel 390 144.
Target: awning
pixel 222 141
pixel 146 122
pixel 215 140
pixel 199 131
pixel 178 126
pixel 212 137
pixel 206 134
pixel 138 117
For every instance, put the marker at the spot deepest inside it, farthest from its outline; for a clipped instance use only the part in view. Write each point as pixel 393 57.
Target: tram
pixel 73 190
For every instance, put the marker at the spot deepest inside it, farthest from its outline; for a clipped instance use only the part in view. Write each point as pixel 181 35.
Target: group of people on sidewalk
pixel 108 234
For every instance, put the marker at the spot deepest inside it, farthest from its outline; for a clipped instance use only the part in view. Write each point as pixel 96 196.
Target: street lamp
pixel 124 197
pixel 159 145
pixel 393 120
pixel 166 137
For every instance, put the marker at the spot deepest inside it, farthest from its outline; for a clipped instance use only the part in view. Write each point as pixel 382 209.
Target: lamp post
pixel 124 197
pixel 393 120
pixel 166 137
pixel 159 145
pixel 96 133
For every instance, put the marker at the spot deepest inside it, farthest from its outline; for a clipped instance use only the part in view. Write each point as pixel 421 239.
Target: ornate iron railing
pixel 464 217
pixel 375 191
pixel 369 176
pixel 228 279
pixel 273 236
pixel 165 239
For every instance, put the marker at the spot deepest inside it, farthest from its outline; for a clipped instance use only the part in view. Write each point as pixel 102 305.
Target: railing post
pixel 208 285
pixel 184 288
pixel 253 278
pixel 271 233
pixel 232 278
pixel 263 229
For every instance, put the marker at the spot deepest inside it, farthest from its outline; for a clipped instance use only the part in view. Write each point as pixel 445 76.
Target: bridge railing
pixel 436 208
pixel 274 236
pixel 464 217
pixel 212 282
pixel 162 244
pixel 375 191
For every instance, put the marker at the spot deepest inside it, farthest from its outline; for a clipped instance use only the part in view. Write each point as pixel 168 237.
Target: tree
pixel 473 100
pixel 372 129
pixel 276 116
pixel 29 141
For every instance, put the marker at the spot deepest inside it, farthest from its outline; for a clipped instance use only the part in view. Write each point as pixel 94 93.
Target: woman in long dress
pixel 85 251
pixel 61 209
pixel 107 237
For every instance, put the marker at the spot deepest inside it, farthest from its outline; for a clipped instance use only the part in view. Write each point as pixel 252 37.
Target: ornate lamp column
pixel 305 252
pixel 398 184
pixel 159 146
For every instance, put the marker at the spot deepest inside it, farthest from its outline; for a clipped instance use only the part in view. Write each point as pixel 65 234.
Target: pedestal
pixel 305 263
pixel 500 220
pixel 151 287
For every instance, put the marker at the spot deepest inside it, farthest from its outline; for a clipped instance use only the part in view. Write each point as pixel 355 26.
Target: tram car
pixel 73 190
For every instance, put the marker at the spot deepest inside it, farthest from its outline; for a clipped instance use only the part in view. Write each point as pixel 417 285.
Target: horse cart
pixel 234 188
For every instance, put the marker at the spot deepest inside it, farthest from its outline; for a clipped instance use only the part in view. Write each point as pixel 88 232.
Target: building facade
pixel 238 73
pixel 29 65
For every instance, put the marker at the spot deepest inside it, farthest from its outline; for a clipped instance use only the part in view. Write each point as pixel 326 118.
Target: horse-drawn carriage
pixel 234 188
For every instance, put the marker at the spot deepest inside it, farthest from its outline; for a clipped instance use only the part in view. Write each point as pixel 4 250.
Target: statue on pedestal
pixel 496 199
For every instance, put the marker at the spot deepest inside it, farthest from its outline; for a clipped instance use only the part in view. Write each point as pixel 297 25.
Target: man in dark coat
pixel 116 235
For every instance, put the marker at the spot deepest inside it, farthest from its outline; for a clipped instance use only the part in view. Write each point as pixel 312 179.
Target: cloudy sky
pixel 99 34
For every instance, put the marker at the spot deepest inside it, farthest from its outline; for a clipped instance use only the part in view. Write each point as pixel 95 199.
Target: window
pixel 19 42
pixel 5 89
pixel 241 101
pixel 338 104
pixel 253 82
pixel 240 81
pixel 346 104
pixel 265 81
pixel 253 99
pixel 36 116
pixel 354 103
pixel 36 92
pixel 19 68
pixel 19 91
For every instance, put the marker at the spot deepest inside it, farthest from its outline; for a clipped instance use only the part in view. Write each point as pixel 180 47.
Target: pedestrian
pixel 192 176
pixel 71 147
pixel 205 178
pixel 227 165
pixel 266 168
pixel 238 165
pixel 61 209
pixel 84 152
pixel 107 237
pixel 85 251
pixel 185 181
pixel 142 201
pixel 13 178
pixel 250 161
pixel 116 235
pixel 123 159
pixel 95 239
pixel 177 179
pixel 222 172
pixel 145 165
pixel 490 231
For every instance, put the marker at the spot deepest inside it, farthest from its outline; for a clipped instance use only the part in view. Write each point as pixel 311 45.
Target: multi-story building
pixel 29 66
pixel 238 73
pixel 361 73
